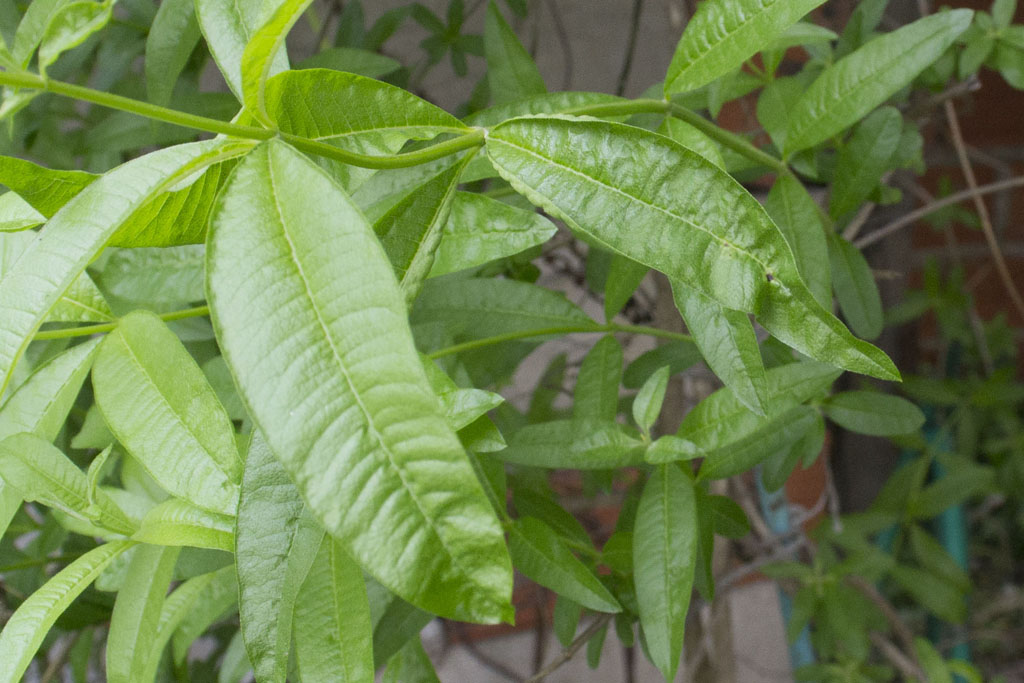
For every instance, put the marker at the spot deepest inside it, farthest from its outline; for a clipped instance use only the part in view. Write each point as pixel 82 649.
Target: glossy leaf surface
pixel 799 219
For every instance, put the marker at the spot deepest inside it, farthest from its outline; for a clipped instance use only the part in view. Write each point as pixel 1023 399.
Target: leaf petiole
pixel 89 330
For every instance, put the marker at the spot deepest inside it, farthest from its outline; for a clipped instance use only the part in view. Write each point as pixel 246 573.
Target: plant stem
pixel 472 138
pixel 89 330
pixel 574 647
pixel 563 329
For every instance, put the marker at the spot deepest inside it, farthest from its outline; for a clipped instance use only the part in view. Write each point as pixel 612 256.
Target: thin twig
pixel 918 214
pixel 627 62
pixel 574 647
pixel 979 204
pixel 896 657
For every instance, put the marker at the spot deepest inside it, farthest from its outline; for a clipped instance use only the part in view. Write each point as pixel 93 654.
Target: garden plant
pixel 253 330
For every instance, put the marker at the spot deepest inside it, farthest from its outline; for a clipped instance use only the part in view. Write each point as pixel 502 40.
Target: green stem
pixel 563 329
pixel 89 330
pixel 473 138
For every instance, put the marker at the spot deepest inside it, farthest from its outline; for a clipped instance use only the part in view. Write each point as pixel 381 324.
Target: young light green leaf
pixel 45 189
pixel 276 542
pixel 664 558
pixel 864 79
pixel 799 219
pixel 540 555
pixel 647 402
pixel 36 469
pixel 278 221
pixel 31 28
pixel 410 231
pixel 259 58
pixel 856 290
pixel 228 28
pixel 136 615
pixel 724 33
pixel 75 235
pixel 574 444
pixel 863 160
pixel 597 386
pixel 333 633
pixel 16 214
pixel 727 342
pixel 511 72
pixel 869 412
pixel 158 403
pixel 678 355
pixel 30 623
pixel 696 224
pixel 462 406
pixel 481 229
pixel 670 448
pixel 171 39
pixel 175 522
pixel 70 26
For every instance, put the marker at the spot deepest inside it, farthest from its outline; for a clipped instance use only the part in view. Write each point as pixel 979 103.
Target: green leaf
pixel 799 219
pixel 16 214
pixel 565 619
pixel 597 385
pixel 333 633
pixel 532 503
pixel 856 289
pixel 45 189
pixel 275 544
pixel 347 442
pixel 75 235
pixel 30 623
pixel 462 406
pixel 351 60
pixel 31 28
pixel 410 665
pixel 727 342
pixel 228 27
pixel 158 403
pixel 171 39
pixel 664 558
pixel 869 412
pixel 805 450
pixel 574 444
pixel 155 275
pixel 935 595
pixel 692 138
pixel 727 517
pixel 175 522
pixel 670 448
pixel 863 160
pixel 777 433
pixel 548 103
pixel 481 229
pixel 597 176
pixel 259 59
pixel 195 605
pixel 511 72
pixel 540 555
pixel 724 34
pixel 410 231
pixel 39 471
pixel 678 355
pixel 935 558
pixel 932 664
pixel 397 625
pixel 624 276
pixel 647 402
pixel 136 616
pixel 864 79
pixel 70 26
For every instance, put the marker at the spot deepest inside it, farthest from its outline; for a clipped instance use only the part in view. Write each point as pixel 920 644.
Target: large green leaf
pixel 646 197
pixel 869 412
pixel 39 471
pixel 664 558
pixel 158 403
pixel 481 229
pixel 728 343
pixel 511 73
pixel 863 160
pixel 799 219
pixel 411 230
pixel 171 39
pixel 328 371
pixel 574 444
pixel 45 189
pixel 259 59
pixel 856 289
pixel 228 27
pixel 136 616
pixel 541 555
pixel 30 623
pixel 76 234
pixel 864 79
pixel 597 387
pixel 275 543
pixel 333 633
pixel 724 33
